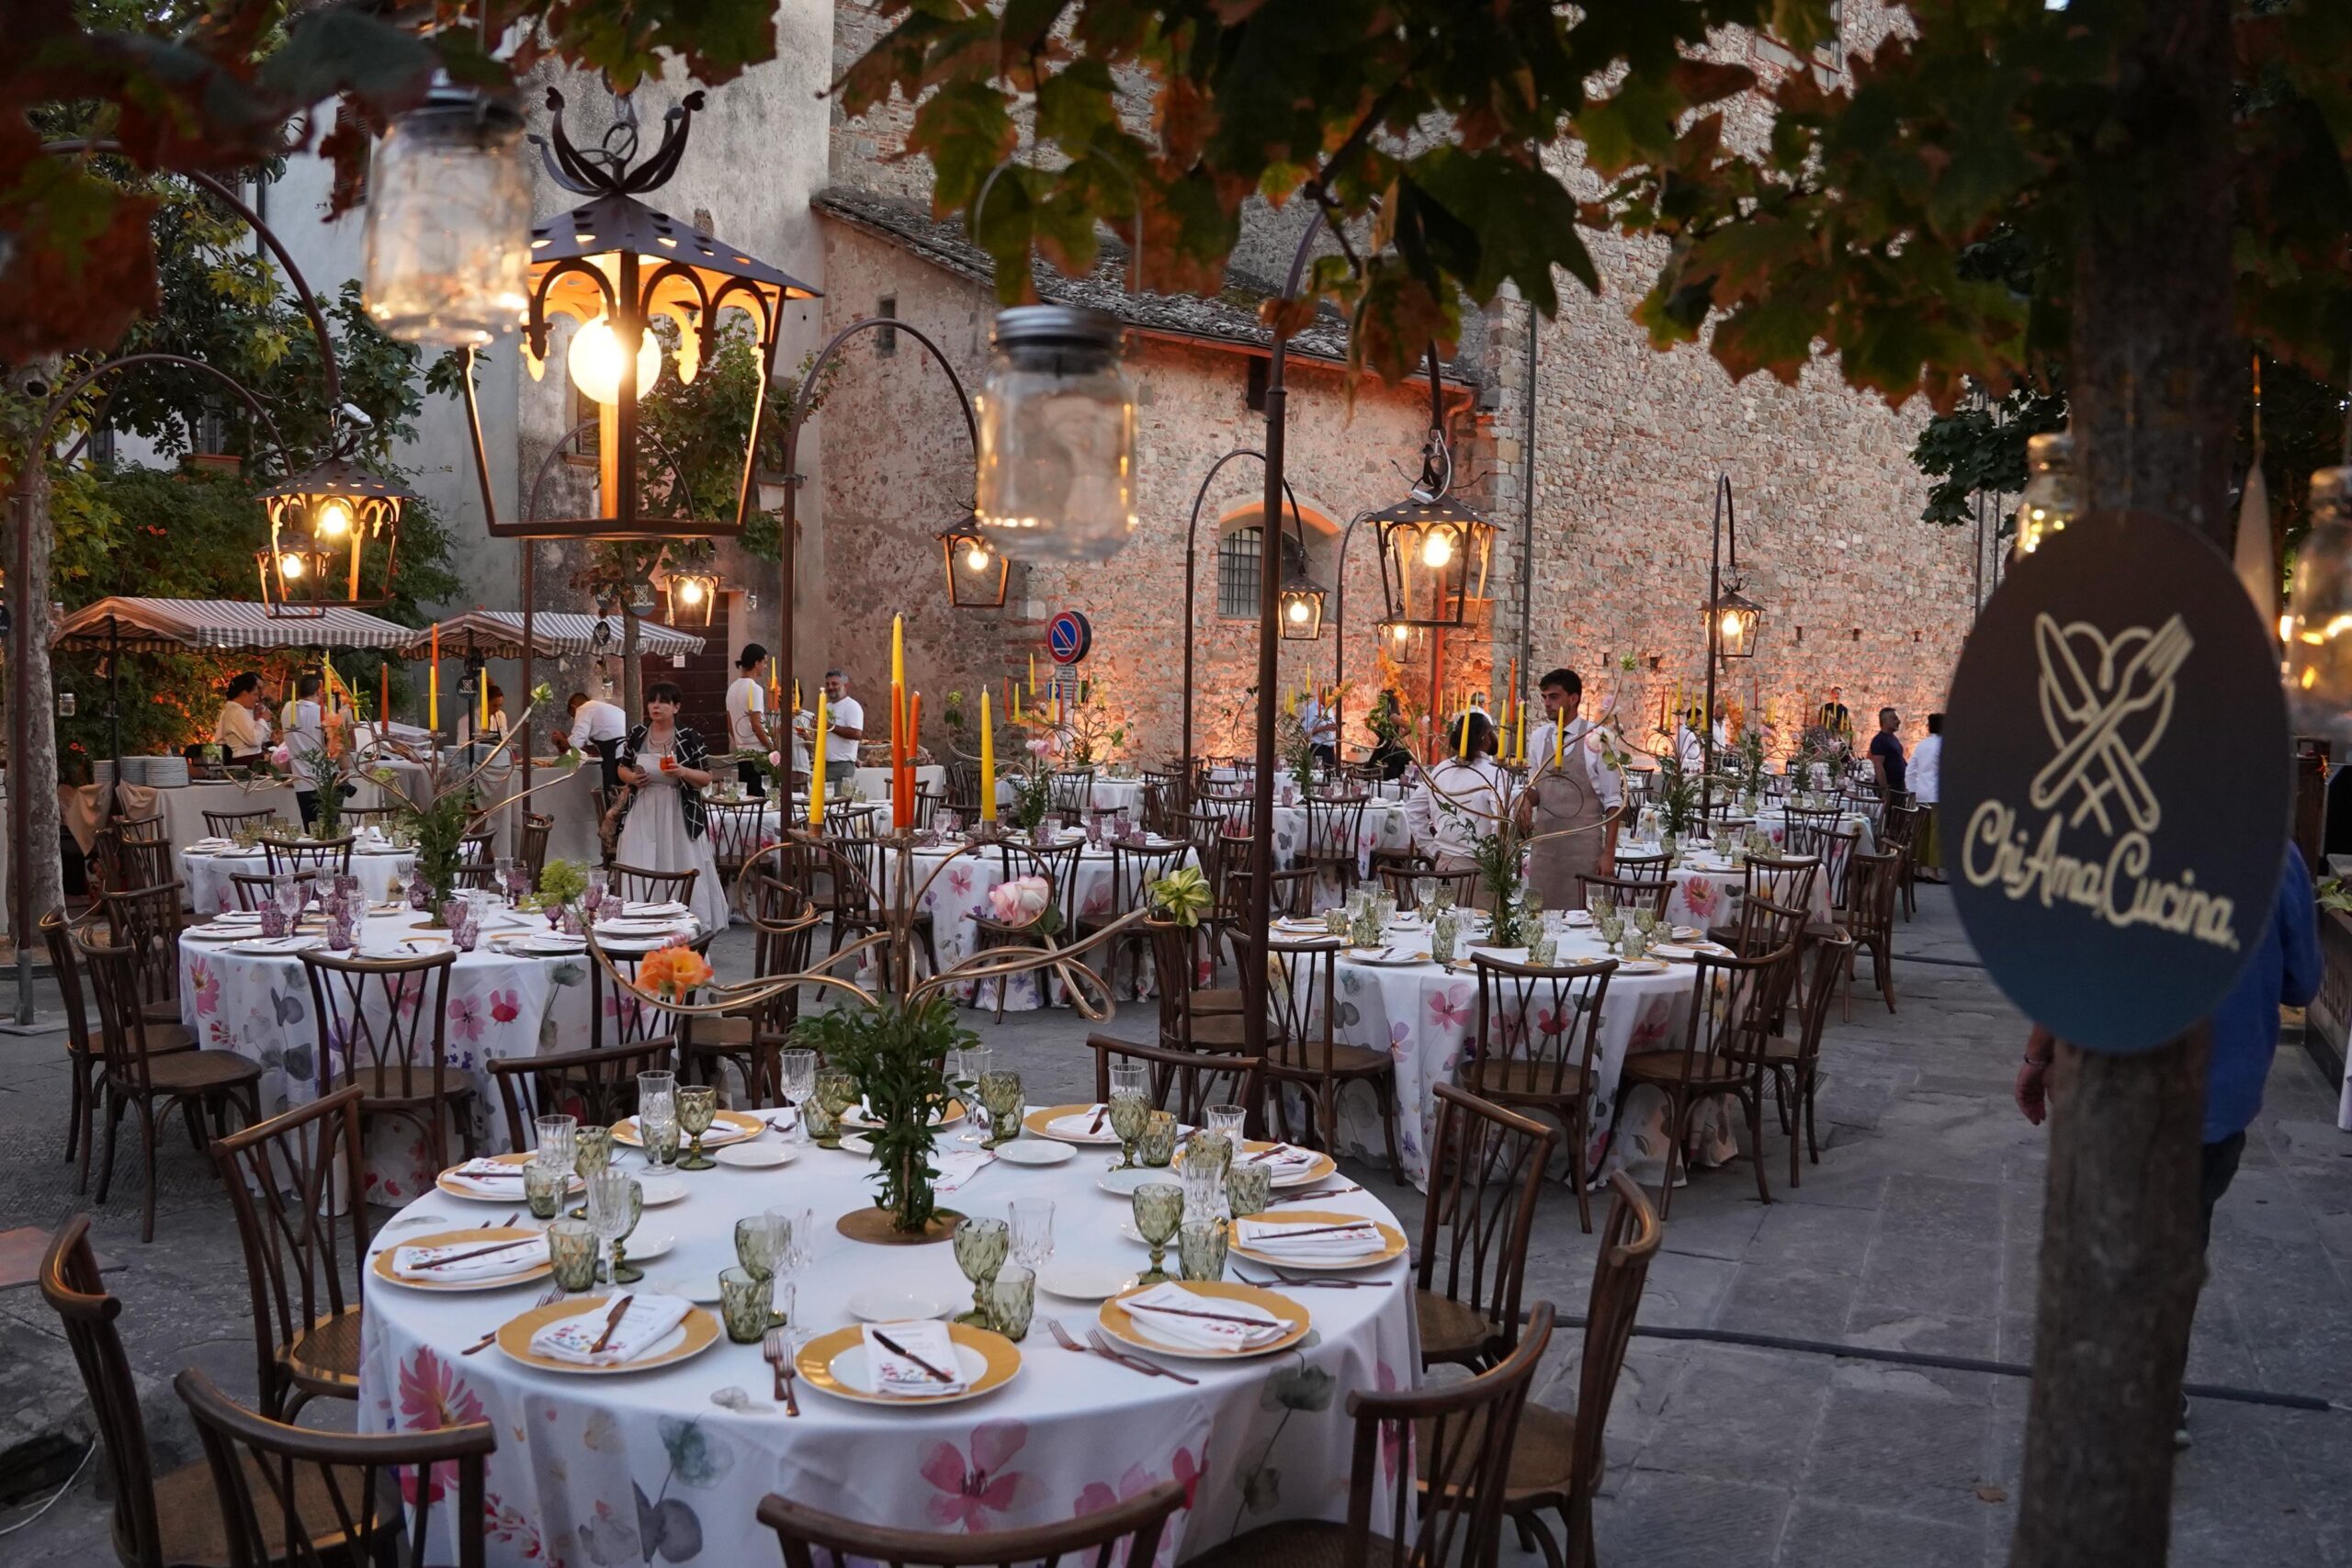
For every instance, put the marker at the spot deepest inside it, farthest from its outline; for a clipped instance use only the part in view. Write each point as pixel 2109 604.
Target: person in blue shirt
pixel 2283 971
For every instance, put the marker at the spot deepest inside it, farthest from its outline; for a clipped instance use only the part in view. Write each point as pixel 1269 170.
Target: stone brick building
pixel 1608 567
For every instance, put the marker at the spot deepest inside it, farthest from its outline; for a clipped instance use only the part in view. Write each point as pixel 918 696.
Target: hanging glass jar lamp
pixel 2318 622
pixel 447 256
pixel 2051 497
pixel 1056 475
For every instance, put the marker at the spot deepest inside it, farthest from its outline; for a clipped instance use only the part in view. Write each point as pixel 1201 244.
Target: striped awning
pixel 165 624
pixel 498 634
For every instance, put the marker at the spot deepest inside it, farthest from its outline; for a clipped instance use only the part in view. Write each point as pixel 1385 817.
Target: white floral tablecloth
pixel 499 1006
pixel 1707 894
pixel 644 1469
pixel 1381 827
pixel 1427 1019
pixel 381 876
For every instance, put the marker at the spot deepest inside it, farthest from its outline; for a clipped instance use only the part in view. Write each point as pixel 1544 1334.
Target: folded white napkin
pixel 207 845
pixel 1281 1158
pixel 648 1321
pixel 1083 1124
pixel 429 1262
pixel 655 911
pixel 1309 1241
pixel 238 917
pixel 957 1166
pixel 894 1373
pixel 490 1178
pixel 1171 1313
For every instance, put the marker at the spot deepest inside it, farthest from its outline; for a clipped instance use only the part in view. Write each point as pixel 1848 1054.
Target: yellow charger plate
pixel 700 1328
pixel 382 1265
pixel 998 1361
pixel 740 1124
pixel 1037 1121
pixel 1321 1166
pixel 571 1189
pixel 954 1113
pixel 1389 1234
pixel 1120 1324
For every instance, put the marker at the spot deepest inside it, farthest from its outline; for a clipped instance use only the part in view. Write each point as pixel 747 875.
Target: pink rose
pixel 1041 748
pixel 775 758
pixel 281 758
pixel 1018 902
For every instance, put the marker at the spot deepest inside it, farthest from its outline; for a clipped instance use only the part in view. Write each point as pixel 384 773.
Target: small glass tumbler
pixel 1012 1297
pixel 592 1150
pixel 1200 1249
pixel 1203 1187
pixel 1543 951
pixel 558 1136
pixel 697 1108
pixel 760 1242
pixel 660 1140
pixel 458 915
pixel 1248 1189
pixel 1156 1146
pixel 746 1305
pixel 1226 1122
pixel 572 1252
pixel 1159 1210
pixel 1445 934
pixel 657 1094
pixel 1000 1093
pixel 980 1245
pixel 1208 1151
pixel 820 1122
pixel 1033 1231
pixel 543 1185
pixel 339 932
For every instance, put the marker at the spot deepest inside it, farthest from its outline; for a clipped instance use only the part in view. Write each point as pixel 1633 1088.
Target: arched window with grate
pixel 1240 556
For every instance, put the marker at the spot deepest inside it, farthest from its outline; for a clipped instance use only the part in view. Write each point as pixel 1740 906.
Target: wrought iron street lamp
pixel 976 571
pixel 693 591
pixel 322 521
pixel 447 251
pixel 1302 608
pixel 1434 549
pixel 1732 622
pixel 1738 619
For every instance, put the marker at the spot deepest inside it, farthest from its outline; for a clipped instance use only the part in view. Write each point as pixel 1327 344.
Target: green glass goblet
pixel 1000 1096
pixel 1200 1249
pixel 1159 1210
pixel 697 1108
pixel 1130 1114
pixel 543 1188
pixel 836 1091
pixel 572 1256
pixel 591 1151
pixel 822 1120
pixel 760 1241
pixel 1156 1144
pixel 746 1303
pixel 1209 1151
pixel 1248 1189
pixel 980 1247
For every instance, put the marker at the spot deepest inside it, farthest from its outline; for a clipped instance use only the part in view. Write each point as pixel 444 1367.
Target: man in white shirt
pixel 242 730
pixel 306 737
pixel 1571 805
pixel 1689 750
pixel 598 728
pixel 747 725
pixel 1926 781
pixel 844 727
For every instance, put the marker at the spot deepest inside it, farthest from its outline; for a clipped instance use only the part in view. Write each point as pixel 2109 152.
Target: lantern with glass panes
pixel 976 571
pixel 1434 549
pixel 617 267
pixel 694 593
pixel 334 539
pixel 1299 600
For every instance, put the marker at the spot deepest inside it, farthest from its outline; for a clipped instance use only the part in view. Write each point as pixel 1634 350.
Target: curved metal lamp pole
pixel 1726 520
pixel 789 547
pixel 1191 532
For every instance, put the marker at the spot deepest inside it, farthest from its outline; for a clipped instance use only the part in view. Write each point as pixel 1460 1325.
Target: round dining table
pixel 668 1464
pixel 240 993
pixel 1426 1018
pixel 383 870
pixel 1708 888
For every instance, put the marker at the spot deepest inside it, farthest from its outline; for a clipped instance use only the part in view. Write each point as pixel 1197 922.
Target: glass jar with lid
pixel 448 246
pixel 1056 475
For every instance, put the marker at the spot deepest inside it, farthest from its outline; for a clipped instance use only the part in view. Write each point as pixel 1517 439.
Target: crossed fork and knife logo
pixel 2107 702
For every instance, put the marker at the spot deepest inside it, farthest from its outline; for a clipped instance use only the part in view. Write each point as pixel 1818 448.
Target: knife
pixel 898 1349
pixel 612 1322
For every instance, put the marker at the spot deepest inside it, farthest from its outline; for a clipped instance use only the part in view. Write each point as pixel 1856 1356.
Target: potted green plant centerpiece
pixel 1501 859
pixel 898 1053
pixel 440 825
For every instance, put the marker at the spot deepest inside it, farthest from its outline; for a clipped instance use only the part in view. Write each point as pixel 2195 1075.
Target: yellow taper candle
pixel 988 767
pixel 1462 752
pixel 898 650
pixel 816 768
pixel 1559 743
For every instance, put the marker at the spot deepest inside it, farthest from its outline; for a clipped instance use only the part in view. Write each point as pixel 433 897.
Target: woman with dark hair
pixel 243 730
pixel 1459 801
pixel 659 815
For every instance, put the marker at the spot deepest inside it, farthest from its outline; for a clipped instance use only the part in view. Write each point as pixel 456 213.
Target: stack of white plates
pixel 166 773
pixel 102 771
pixel 133 770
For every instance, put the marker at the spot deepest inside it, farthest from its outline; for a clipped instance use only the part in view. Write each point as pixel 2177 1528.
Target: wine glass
pixel 1129 1108
pixel 980 1245
pixel 799 1067
pixel 592 897
pixel 1001 1092
pixel 1159 1210
pixel 697 1108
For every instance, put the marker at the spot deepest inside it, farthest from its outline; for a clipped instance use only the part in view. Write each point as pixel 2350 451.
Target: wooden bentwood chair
pixel 1485 1171
pixel 1126 1532
pixel 1539 1031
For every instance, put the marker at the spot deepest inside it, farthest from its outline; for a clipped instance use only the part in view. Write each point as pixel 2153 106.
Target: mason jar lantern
pixel 447 246
pixel 2051 497
pixel 2318 622
pixel 1057 479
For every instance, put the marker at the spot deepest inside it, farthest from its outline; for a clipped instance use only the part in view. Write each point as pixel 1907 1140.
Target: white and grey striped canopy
pixel 498 634
pixel 160 624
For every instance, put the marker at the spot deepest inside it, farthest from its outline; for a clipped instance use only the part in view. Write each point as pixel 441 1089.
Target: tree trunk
pixel 632 673
pixel 2153 387
pixel 40 872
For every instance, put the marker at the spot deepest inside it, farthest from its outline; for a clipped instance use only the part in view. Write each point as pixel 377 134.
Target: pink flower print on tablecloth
pixel 1650 1030
pixel 464 1019
pixel 1450 1008
pixel 432 1396
pixel 1184 1469
pixel 207 985
pixel 959 881
pixel 506 1007
pixel 1702 898
pixel 970 1492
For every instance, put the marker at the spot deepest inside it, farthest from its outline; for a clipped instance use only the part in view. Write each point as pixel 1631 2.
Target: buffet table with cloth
pixel 1708 888
pixel 184 807
pixel 382 871
pixel 958 894
pixel 1427 1019
pixel 646 1466
pixel 503 1002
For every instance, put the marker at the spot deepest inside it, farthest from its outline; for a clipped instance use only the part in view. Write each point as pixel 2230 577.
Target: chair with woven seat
pixel 1126 1531
pixel 1486 1167
pixel 196 1083
pixel 1791 1061
pixel 1713 1061
pixel 1556 1456
pixel 308 1499
pixel 597 1087
pixel 1186 1082
pixel 1869 917
pixel 1445 1508
pixel 330 855
pixel 160 1521
pixel 383 1026
pixel 1300 1050
pixel 148 921
pixel 85 1047
pixel 1627 895
pixel 1192 1017
pixel 224 824
pixel 1059 868
pixel 295 1185
pixel 1538 1032
pixel 638 886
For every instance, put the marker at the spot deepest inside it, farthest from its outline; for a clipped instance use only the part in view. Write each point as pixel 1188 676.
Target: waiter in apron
pixel 598 730
pixel 1575 802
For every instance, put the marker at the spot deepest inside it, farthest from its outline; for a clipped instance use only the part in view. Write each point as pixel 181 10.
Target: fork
pixel 1311 1197
pixel 1062 1338
pixel 780 1363
pixel 1102 1346
pixel 1279 1284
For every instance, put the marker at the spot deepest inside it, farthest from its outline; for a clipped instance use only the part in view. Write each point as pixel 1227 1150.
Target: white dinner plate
pixel 656 1190
pixel 702 1289
pixel 849 1371
pixel 762 1155
pixel 857 1144
pixel 896 1306
pixel 1397 957
pixel 1036 1151
pixel 1641 967
pixel 638 1248
pixel 276 947
pixel 1082 1280
pixel 1123 1183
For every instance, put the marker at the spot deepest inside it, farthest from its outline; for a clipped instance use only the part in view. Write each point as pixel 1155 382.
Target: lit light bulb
pixel 1397 635
pixel 1436 549
pixel 334 519
pixel 289 564
pixel 1298 610
pixel 595 361
pixel 690 590
pixel 976 558
pixel 1731 623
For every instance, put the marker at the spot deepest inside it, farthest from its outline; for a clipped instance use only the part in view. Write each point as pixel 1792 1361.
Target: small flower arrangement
pixel 1025 901
pixel 563 882
pixel 672 971
pixel 1183 896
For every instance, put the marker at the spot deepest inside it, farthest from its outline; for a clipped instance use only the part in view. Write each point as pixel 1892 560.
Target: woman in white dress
pixel 663 824
pixel 1459 801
